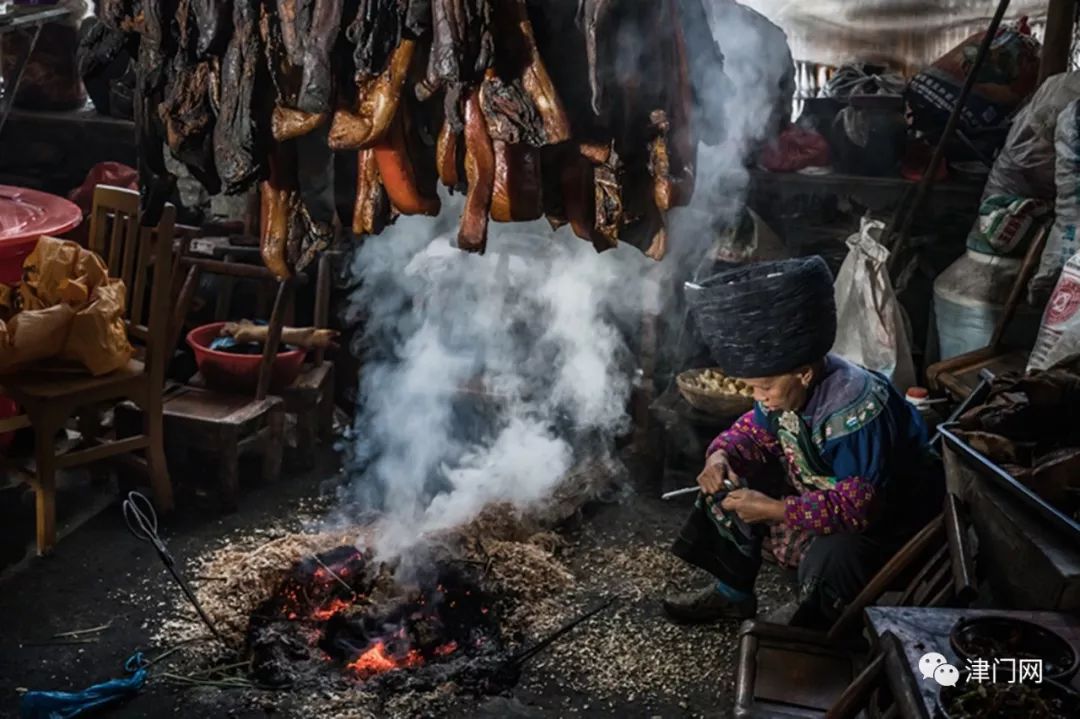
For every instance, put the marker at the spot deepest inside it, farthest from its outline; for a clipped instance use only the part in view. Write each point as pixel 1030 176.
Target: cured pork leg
pixel 317 80
pixel 378 100
pixel 289 124
pixel 410 191
pixel 280 199
pixel 519 59
pixel 372 211
pixel 480 171
pixel 238 141
pixel 516 193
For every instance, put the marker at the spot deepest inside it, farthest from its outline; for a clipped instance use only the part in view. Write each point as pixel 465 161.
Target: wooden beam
pixel 101 451
pixel 1057 41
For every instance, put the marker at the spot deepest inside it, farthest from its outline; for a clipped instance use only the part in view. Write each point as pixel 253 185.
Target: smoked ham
pixel 371 213
pixel 480 172
pixel 410 192
pixel 377 104
pixel 278 200
pixel 516 195
pixel 447 157
pixel 289 124
pixel 521 60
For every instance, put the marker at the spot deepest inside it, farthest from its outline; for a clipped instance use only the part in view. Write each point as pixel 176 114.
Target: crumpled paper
pixel 66 308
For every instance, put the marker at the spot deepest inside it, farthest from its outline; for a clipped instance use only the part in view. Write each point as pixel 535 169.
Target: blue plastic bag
pixel 62 705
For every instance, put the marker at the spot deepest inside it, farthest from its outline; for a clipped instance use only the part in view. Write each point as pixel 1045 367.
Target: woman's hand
pixel 753 506
pixel 717 475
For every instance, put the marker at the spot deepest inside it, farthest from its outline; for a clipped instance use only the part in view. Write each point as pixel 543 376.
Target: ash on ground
pixel 627 658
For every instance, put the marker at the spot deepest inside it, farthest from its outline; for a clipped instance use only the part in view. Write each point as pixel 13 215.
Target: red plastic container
pixel 232 372
pixel 26 215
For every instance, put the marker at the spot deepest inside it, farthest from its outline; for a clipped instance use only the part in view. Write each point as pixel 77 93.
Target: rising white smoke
pixel 542 321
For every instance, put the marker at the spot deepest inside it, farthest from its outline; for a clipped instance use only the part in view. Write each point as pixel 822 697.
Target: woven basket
pixel 720 404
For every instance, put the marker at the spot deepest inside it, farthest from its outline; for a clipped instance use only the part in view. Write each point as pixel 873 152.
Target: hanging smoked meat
pixel 518 59
pixel 317 80
pixel 480 173
pixel 240 142
pixel 373 211
pixel 407 173
pixel 213 20
pixel 516 191
pixel 280 199
pixel 586 111
pixel 186 111
pixel 287 122
pixel 378 102
pixel 156 184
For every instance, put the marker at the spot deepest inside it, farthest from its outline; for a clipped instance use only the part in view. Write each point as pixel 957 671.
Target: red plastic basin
pixel 26 215
pixel 231 372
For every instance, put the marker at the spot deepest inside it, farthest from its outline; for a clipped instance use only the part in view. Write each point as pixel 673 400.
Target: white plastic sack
pixel 1025 165
pixel 1059 334
pixel 1062 242
pixel 870 323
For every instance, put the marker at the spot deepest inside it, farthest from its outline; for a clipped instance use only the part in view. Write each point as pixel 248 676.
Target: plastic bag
pixel 1062 242
pixel 1007 224
pixel 1025 165
pixel 68 308
pixel 871 329
pixel 114 174
pixel 1007 77
pixel 34 335
pixel 64 705
pixel 1059 333
pixel 795 149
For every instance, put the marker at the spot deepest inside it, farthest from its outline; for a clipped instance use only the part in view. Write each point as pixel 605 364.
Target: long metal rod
pixel 680 492
pixel 927 180
pixel 527 654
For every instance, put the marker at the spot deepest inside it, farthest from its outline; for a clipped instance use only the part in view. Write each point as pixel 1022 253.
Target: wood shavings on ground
pixel 236 578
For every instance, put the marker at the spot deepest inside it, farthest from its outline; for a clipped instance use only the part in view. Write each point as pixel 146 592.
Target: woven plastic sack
pixel 870 323
pixel 1025 165
pixel 1006 79
pixel 1059 333
pixel 1062 242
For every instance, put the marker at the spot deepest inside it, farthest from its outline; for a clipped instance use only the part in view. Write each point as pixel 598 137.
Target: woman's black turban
pixel 766 318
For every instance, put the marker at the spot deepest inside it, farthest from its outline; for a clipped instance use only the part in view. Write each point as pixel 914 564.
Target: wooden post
pixel 1057 41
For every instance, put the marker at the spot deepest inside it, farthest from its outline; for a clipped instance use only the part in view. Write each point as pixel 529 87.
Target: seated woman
pixel 829 474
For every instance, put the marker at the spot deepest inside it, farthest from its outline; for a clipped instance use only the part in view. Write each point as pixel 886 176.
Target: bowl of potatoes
pixel 710 390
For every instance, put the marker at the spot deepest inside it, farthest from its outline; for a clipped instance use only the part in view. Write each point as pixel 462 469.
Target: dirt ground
pixel 627 661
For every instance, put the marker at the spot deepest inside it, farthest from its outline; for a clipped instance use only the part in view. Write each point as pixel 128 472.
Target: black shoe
pixel 708 605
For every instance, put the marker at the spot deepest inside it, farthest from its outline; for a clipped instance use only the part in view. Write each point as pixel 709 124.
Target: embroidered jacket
pixel 840 453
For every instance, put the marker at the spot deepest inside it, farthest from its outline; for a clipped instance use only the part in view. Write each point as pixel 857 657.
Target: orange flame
pixel 376 660
pixel 335 606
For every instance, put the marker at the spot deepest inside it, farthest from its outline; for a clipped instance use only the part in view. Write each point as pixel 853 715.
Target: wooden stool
pixel 225 425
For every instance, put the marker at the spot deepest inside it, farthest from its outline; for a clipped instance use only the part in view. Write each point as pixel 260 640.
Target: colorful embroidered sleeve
pixel 747 443
pixel 845 508
pixel 857 462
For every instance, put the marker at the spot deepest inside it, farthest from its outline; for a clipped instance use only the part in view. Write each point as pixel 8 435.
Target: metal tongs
pixel 143 522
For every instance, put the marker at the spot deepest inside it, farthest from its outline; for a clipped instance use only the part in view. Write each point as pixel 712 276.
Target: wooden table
pixel 922 630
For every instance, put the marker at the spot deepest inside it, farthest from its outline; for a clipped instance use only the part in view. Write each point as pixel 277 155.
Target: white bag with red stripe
pixel 1059 334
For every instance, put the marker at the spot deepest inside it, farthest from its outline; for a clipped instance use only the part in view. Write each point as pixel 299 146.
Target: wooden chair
pixel 310 398
pixel 226 425
pixel 794 672
pixel 50 399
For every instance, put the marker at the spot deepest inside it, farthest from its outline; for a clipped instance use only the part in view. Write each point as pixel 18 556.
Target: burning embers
pixel 338 610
